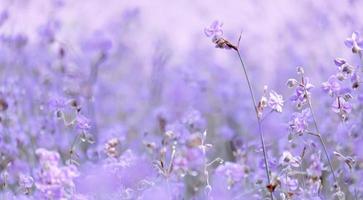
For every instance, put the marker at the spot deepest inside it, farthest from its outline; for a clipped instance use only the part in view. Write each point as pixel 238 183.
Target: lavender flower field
pixel 178 100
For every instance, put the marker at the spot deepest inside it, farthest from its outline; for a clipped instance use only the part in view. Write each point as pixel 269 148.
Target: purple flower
pixel 355 42
pixel 288 160
pixel 339 61
pixel 316 167
pixel 275 101
pixel 291 183
pixel 341 106
pixel 82 123
pixel 214 30
pixel 332 86
pixel 47 157
pixel 302 91
pixel 4 15
pixel 54 181
pixel 299 122
pixel 233 171
pixel 25 181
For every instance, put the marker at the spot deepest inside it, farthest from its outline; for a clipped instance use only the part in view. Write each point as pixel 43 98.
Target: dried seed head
pixel 223 43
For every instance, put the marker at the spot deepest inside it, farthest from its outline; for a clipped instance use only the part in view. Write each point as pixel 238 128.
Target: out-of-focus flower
pixel 214 30
pixel 288 160
pixel 299 121
pixel 355 79
pixel 290 183
pixel 234 172
pixel 4 15
pixel 275 101
pixel 47 32
pixel 342 107
pixel 291 83
pixel 316 167
pixel 339 61
pixel 25 181
pixel 332 86
pixel 82 123
pixel 355 42
pixel 47 157
pixel 54 181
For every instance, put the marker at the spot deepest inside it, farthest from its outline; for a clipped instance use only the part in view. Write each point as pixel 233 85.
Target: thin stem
pixel 258 120
pixel 321 140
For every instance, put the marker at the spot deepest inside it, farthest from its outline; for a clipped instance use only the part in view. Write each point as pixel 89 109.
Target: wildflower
pixel 299 122
pixel 332 86
pixel 233 171
pixel 214 30
pixel 342 107
pixel 316 167
pixel 339 61
pixel 54 181
pixel 355 42
pixel 347 159
pixel 275 101
pixel 82 123
pixel 25 182
pixel 302 91
pixel 291 183
pixel 47 157
pixel 288 160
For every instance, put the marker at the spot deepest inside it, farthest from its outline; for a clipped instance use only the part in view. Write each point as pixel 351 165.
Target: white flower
pixel 276 101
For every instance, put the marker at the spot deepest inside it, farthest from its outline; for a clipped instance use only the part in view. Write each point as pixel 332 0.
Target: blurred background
pixel 140 68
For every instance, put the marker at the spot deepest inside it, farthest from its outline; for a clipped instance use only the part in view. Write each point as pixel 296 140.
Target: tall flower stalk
pixel 258 116
pixel 303 97
pixel 321 140
pixel 215 31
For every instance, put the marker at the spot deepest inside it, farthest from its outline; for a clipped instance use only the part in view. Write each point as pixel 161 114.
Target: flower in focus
pixel 355 42
pixel 302 92
pixel 214 30
pixel 275 101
